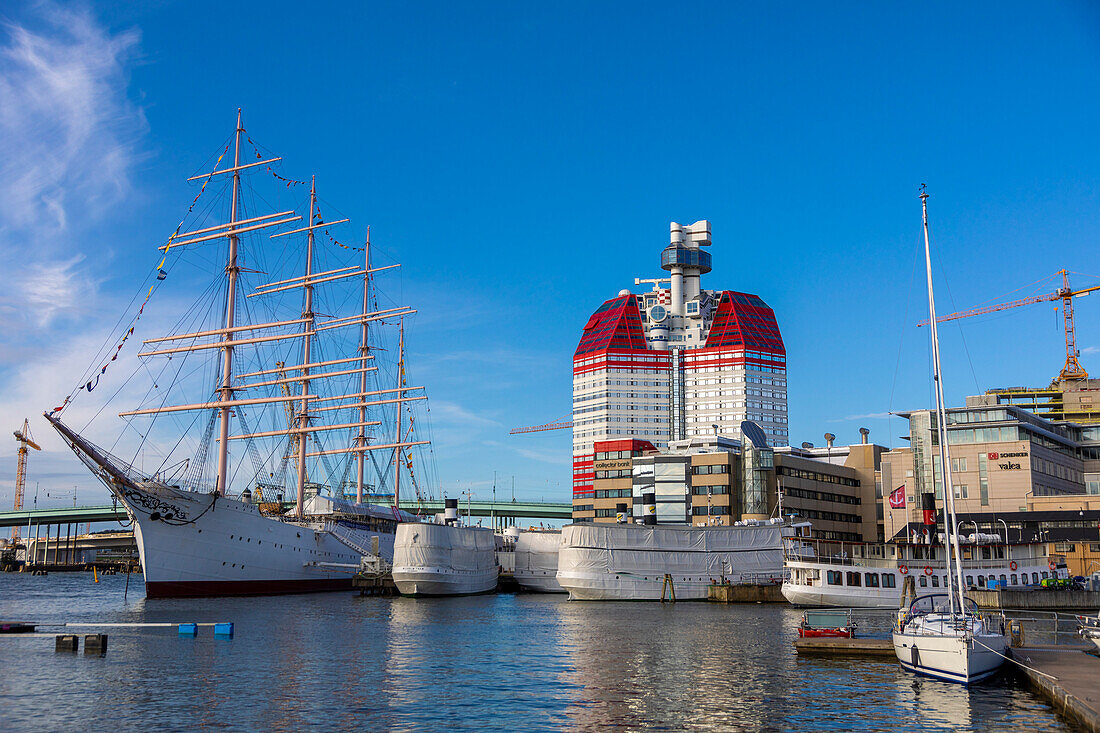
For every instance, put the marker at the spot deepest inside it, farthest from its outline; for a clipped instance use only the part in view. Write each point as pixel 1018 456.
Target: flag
pixel 897 498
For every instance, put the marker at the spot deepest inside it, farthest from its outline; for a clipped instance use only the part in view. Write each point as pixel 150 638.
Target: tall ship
pixel 269 393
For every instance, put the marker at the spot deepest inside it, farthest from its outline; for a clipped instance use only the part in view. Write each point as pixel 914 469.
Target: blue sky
pixel 523 161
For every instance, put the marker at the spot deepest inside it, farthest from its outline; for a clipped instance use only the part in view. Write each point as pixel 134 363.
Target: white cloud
pixel 866 416
pixel 1091 350
pixel 452 414
pixel 67 128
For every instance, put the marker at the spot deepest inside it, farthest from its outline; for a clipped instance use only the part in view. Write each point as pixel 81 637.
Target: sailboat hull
pixel 950 658
pixel 194 544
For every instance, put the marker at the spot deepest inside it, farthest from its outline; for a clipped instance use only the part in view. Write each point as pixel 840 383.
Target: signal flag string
pixel 161 275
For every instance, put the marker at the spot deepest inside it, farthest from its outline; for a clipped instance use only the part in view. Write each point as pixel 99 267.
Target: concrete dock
pixel 1067 676
pixel 737 593
pixel 845 647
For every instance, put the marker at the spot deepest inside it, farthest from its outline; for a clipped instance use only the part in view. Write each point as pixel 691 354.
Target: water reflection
pixel 519 662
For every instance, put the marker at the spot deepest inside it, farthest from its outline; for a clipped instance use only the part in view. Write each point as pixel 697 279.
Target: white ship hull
pixel 953 658
pixel 536 559
pixel 630 562
pixel 194 544
pixel 444 560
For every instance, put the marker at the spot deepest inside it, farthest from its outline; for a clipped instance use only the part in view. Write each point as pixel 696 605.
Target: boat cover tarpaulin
pixel 537 552
pixel 444 547
pixel 592 549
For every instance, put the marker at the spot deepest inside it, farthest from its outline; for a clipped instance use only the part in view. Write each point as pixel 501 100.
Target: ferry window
pixel 981 581
pixel 888 580
pixel 853 579
pixel 1004 578
pixel 1013 580
pixel 833 578
pixel 871 580
pixel 970 580
pixel 1035 577
pixel 935 581
pixel 1045 575
pixel 986 554
pixel 923 582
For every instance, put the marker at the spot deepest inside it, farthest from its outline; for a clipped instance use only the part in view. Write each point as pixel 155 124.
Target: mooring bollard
pixel 95 644
pixel 1016 633
pixel 66 643
pixel 189 630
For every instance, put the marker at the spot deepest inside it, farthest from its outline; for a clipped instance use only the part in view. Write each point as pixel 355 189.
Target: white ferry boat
pixel 863 575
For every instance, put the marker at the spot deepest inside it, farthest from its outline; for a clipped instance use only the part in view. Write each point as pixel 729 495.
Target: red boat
pixel 822 624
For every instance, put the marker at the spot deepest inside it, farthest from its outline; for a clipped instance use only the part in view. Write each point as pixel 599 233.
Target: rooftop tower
pixel 677 361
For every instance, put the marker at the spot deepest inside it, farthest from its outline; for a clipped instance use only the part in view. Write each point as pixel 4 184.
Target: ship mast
pixel 307 327
pixel 361 439
pixel 400 394
pixel 231 271
pixel 952 545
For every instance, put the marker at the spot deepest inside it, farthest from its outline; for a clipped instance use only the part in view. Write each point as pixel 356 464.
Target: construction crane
pixel 1073 369
pixel 561 423
pixel 24 438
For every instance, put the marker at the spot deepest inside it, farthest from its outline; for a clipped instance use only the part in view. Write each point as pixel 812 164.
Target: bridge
pixel 109 513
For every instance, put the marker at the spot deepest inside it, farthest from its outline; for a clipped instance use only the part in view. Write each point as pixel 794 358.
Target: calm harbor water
pixel 519 662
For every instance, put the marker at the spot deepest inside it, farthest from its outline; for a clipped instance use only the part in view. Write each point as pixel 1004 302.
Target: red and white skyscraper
pixel 677 361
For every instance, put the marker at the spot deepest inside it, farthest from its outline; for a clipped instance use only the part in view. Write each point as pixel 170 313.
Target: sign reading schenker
pixel 1007 465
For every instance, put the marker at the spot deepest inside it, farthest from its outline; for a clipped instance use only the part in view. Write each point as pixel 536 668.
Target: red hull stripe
pixel 198 588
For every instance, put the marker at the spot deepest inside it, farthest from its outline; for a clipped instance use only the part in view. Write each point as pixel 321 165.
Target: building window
pixel 961 492
pixel 1064 547
pixel 958 464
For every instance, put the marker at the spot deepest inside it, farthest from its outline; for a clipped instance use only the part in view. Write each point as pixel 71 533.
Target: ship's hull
pixel 194 544
pixel 536 559
pixel 950 658
pixel 444 560
pixel 639 563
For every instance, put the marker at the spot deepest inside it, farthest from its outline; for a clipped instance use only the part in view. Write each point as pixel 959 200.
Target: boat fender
pixel 1012 565
pixel 904 569
pixel 927 570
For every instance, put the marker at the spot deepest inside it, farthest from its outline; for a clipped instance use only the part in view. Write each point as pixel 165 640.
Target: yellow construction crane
pixel 1072 370
pixel 24 438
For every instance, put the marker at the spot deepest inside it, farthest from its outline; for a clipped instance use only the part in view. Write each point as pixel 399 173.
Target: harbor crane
pixel 25 440
pixel 1072 371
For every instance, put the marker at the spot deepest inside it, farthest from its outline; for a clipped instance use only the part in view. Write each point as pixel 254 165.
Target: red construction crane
pixel 561 423
pixel 1073 369
pixel 24 438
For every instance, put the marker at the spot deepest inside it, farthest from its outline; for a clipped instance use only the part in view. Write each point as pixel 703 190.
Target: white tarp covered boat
pixel 444 560
pixel 536 559
pixel 605 562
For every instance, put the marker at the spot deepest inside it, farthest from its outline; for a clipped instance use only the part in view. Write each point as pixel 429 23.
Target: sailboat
pixel 215 527
pixel 942 635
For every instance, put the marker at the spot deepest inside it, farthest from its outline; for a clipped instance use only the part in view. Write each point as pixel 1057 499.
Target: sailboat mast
pixel 361 440
pixel 400 393
pixel 307 316
pixel 952 547
pixel 231 271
